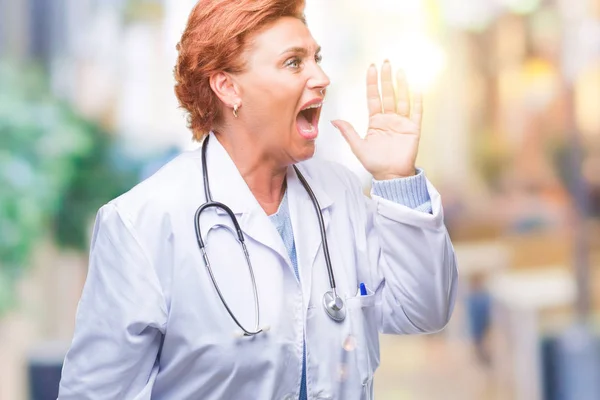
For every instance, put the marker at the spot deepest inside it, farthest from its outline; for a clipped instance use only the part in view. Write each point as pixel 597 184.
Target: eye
pixel 293 63
pixel 318 58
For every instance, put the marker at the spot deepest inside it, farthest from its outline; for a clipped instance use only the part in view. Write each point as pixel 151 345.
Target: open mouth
pixel 307 120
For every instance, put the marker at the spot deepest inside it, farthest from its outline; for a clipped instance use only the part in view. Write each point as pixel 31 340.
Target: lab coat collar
pixel 228 187
pixel 294 182
pixel 226 183
pixel 307 233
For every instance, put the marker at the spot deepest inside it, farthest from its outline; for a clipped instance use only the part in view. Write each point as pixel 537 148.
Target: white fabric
pixel 147 289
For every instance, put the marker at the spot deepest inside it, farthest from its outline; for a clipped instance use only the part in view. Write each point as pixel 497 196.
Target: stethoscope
pixel 332 302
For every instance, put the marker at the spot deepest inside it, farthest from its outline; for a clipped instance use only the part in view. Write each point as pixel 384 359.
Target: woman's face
pixel 282 90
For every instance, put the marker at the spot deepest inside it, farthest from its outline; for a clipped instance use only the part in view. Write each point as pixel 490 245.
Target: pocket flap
pixel 359 300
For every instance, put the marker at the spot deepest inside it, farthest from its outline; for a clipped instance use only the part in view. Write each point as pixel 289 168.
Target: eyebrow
pixel 301 50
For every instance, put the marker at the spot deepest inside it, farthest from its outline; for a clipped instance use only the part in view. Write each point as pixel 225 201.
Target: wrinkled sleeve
pixel 410 259
pixel 120 318
pixel 410 191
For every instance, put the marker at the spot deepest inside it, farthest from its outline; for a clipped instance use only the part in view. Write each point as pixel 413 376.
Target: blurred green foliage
pixel 56 170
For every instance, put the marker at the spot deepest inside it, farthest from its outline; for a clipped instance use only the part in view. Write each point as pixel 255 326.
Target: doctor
pixel 151 323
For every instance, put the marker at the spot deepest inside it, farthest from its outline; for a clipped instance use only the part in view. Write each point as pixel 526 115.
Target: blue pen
pixel 363 289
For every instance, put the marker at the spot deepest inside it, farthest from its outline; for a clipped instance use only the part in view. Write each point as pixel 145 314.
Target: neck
pixel 261 172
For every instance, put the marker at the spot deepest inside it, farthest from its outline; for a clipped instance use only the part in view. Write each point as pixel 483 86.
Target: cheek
pixel 281 97
pixel 273 103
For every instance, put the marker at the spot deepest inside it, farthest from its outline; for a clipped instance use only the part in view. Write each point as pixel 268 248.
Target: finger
pixel 387 88
pixel 373 100
pixel 416 114
pixel 403 105
pixel 349 133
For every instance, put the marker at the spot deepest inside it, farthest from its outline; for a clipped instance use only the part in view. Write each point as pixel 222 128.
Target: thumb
pixel 349 134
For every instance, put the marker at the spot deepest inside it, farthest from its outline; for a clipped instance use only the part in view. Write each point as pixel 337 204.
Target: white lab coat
pixel 150 324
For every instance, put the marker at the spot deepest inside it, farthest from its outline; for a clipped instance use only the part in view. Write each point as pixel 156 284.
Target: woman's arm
pixel 415 265
pixel 120 318
pixel 404 256
pixel 409 250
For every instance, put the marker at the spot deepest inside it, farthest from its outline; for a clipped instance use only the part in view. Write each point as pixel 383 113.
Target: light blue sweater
pixel 411 192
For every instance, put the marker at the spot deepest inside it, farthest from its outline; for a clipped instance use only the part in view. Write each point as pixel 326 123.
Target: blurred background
pixel 511 139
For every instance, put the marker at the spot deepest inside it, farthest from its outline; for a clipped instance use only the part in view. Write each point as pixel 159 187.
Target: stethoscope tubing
pixel 240 235
pixel 321 227
pixel 332 303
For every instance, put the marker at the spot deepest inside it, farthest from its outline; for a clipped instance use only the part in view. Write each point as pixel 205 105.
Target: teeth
pixel 313 106
pixel 312 128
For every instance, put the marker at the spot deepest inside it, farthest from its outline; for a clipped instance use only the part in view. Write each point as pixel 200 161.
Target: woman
pixel 150 322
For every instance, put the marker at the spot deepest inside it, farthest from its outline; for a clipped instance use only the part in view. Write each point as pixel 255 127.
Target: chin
pixel 305 152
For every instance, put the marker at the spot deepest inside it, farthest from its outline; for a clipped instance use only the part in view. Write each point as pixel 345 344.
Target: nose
pixel 318 79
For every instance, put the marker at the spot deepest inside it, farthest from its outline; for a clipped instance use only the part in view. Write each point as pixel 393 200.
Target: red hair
pixel 214 40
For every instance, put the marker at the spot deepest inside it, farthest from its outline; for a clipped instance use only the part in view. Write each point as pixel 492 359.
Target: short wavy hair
pixel 214 40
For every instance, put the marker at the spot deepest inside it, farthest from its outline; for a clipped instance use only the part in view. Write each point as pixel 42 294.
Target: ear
pixel 225 88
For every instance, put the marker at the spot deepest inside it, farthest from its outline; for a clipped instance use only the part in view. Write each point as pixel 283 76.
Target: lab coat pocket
pixel 362 312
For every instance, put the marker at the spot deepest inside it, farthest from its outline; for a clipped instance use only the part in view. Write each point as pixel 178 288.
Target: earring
pixel 235 110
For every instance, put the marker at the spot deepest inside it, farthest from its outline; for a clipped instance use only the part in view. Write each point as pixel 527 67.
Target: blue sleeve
pixel 411 191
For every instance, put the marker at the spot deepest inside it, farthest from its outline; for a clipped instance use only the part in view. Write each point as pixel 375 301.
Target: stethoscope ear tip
pixel 266 328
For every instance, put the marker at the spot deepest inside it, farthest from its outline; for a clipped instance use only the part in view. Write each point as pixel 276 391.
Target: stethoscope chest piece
pixel 332 303
pixel 334 306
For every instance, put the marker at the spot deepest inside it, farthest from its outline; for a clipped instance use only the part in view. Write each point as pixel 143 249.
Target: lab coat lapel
pixel 305 223
pixel 228 187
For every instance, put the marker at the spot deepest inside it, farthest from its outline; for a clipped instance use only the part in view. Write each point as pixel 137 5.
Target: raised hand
pixel 389 150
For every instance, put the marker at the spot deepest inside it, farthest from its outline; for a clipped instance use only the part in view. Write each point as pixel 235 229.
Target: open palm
pixel 389 150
